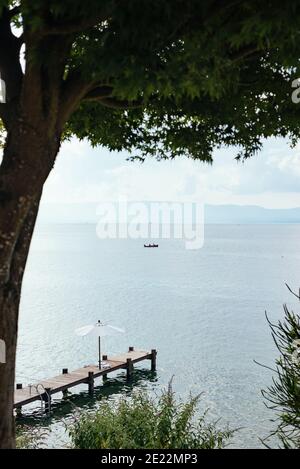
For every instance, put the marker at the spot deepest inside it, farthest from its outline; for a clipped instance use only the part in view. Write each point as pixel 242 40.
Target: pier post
pixel 104 359
pixel 129 368
pixel 19 409
pixel 153 359
pixel 47 399
pixel 65 392
pixel 91 382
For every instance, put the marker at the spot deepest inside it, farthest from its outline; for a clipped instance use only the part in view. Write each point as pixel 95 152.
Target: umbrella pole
pixel 99 343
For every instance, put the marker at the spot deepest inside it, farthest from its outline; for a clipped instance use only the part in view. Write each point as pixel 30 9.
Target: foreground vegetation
pixel 145 422
pixel 283 396
pixel 30 438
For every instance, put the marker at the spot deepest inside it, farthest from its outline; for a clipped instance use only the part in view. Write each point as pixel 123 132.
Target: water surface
pixel 203 310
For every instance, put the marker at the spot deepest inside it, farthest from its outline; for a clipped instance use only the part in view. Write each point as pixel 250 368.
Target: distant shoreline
pixel 86 213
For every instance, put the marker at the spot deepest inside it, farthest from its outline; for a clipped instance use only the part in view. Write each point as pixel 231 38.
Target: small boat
pixel 150 245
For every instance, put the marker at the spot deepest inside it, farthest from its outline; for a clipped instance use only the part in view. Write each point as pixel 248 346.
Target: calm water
pixel 203 310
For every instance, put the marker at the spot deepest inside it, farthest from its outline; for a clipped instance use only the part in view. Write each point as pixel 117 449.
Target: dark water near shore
pixel 203 310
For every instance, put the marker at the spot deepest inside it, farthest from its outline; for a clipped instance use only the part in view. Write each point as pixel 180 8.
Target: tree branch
pixel 10 67
pixel 73 91
pixel 14 11
pixel 104 95
pixel 70 28
pixel 293 293
pixel 4 114
pixel 248 51
pixel 53 27
pixel 114 103
pixel 221 6
pixel 98 93
pixel 76 90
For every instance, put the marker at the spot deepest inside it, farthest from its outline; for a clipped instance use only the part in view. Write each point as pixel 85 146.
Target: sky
pixel 271 179
pixel 84 175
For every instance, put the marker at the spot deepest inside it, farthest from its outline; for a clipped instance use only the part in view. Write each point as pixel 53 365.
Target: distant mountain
pixel 250 214
pixel 231 214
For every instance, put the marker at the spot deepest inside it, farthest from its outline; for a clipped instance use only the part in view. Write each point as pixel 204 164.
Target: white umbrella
pixel 99 330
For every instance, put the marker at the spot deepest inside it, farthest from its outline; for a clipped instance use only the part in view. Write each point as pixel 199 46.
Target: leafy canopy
pixel 167 78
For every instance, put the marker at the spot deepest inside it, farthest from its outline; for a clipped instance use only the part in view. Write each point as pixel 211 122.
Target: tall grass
pixel 141 421
pixel 30 438
pixel 283 395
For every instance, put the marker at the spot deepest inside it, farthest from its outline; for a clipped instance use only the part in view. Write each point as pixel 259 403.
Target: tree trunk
pixel 27 161
pixel 9 309
pixel 36 108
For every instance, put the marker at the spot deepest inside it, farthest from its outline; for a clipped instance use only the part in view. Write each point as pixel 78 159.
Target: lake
pixel 203 310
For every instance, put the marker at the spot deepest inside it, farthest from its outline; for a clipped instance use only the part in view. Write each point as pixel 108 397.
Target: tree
pixel 159 78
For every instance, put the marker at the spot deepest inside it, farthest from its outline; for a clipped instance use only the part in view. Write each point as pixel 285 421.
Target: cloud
pixel 270 179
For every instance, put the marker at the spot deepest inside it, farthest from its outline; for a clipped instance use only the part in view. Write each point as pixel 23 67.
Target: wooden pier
pixel 43 390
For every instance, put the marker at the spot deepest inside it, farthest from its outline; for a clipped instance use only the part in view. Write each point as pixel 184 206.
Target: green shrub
pixel 30 438
pixel 141 421
pixel 283 396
